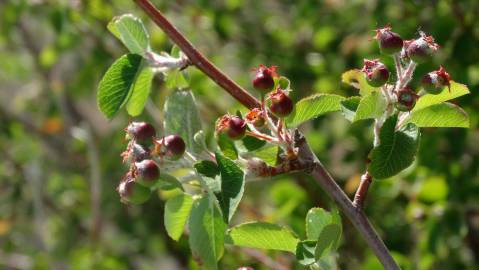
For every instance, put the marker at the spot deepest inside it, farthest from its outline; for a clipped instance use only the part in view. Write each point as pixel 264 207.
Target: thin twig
pixel 310 162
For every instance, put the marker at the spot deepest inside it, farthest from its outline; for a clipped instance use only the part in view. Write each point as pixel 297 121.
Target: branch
pixel 198 59
pixel 309 161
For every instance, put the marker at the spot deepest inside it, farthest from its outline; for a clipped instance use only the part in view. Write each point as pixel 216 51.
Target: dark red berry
pixel 171 146
pixel 406 99
pixel 141 131
pixel 281 104
pixel 146 172
pixel 389 42
pixel 132 192
pixel 376 72
pixel 264 78
pixel 421 49
pixel 256 117
pixel 233 126
pixel 435 81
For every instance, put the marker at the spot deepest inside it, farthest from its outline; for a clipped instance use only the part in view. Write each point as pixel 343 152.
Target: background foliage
pixel 60 157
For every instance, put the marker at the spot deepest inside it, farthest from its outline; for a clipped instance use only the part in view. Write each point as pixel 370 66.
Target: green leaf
pixel 440 115
pixel 349 107
pixel 250 143
pixel 207 233
pixel 371 106
pixel 232 185
pixel 227 146
pixel 396 150
pixel 131 31
pixel 427 100
pixel 140 92
pixel 312 107
pixel 167 182
pixel 177 211
pixel 117 84
pixel 262 235
pixel 207 168
pixel 328 241
pixel 176 79
pixel 305 252
pixel 316 220
pixel 268 154
pixel 356 78
pixel 182 118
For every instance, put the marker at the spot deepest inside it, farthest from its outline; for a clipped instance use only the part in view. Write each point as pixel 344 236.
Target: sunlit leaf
pixel 427 100
pixel 118 83
pixel 131 31
pixel 440 115
pixel 263 236
pixel 177 211
pixel 371 106
pixel 207 233
pixel 312 107
pixel 356 78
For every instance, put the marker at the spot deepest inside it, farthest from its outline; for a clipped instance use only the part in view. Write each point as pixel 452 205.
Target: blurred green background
pixel 60 161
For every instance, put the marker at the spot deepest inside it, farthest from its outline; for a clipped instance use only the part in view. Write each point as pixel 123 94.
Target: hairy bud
pixel 435 81
pixel 281 104
pixel 376 72
pixel 406 99
pixel 233 126
pixel 389 42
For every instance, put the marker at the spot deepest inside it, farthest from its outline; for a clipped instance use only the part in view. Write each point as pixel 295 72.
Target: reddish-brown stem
pixel 198 59
pixel 361 192
pixel 262 136
pixel 306 161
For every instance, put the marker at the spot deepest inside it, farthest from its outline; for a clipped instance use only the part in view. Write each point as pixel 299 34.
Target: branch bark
pixel 198 59
pixel 309 161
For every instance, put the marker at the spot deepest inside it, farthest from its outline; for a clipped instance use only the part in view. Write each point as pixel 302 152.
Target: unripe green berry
pixel 435 81
pixel 132 192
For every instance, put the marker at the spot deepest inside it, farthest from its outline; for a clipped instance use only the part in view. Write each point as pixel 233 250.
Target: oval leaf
pixel 131 31
pixel 371 106
pixel 312 107
pixel 440 115
pixel 263 236
pixel 305 252
pixel 232 186
pixel 427 100
pixel 316 220
pixel 140 91
pixel 328 241
pixel 182 118
pixel 115 87
pixel 177 211
pixel 396 150
pixel 207 232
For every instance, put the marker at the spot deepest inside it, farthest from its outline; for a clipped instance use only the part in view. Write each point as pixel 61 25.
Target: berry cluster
pixel 408 53
pixel 275 106
pixel 142 149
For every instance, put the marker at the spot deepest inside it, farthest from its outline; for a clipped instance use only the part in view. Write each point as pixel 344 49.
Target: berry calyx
pixel 389 42
pixel 421 50
pixel 281 104
pixel 264 78
pixel 146 172
pixel 135 152
pixel 140 131
pixel 377 74
pixel 233 126
pixel 435 81
pixel 172 146
pixel 132 192
pixel 406 99
pixel 256 117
